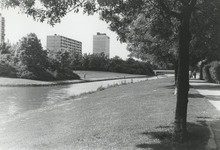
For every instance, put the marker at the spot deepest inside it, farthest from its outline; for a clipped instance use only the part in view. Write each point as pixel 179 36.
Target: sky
pixel 74 25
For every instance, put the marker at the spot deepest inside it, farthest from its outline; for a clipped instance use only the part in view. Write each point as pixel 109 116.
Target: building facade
pixel 2 28
pixel 101 44
pixel 58 42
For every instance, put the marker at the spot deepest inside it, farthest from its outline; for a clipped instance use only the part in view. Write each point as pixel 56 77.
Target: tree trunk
pixel 175 78
pixel 180 125
pixel 176 72
pixel 201 70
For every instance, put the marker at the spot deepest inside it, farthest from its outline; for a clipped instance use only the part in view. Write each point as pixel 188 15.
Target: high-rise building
pixel 101 44
pixel 58 42
pixel 2 28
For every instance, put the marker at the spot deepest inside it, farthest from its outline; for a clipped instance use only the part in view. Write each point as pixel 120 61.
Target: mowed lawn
pixel 89 75
pixel 126 117
pixel 102 74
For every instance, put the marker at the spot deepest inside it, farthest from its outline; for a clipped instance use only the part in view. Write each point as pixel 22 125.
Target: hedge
pixel 211 72
pixel 215 72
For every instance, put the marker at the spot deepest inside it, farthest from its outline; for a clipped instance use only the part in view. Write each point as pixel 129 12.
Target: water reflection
pixel 16 100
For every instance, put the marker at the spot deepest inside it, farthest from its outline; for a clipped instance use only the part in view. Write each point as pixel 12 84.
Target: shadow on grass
pixel 195 95
pixel 165 127
pixel 170 86
pixel 198 136
pixel 204 85
pixel 202 117
pixel 207 87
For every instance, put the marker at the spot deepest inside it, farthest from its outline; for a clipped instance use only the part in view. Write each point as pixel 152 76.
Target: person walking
pixel 190 74
pixel 194 74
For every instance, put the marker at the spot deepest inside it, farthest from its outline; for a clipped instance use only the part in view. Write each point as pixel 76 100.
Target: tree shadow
pixel 206 87
pixel 202 117
pixel 195 95
pixel 198 136
pixel 163 127
pixel 170 86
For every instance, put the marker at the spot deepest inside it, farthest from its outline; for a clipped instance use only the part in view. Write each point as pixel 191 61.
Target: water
pixel 18 100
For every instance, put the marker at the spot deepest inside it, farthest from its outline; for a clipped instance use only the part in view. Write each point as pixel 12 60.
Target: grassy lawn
pixel 89 75
pixel 126 117
pixel 102 74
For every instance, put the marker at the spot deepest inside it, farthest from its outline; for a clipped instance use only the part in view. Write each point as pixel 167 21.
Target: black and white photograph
pixel 110 75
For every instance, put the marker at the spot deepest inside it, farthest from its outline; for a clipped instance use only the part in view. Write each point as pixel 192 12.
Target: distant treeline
pixel 28 60
pixel 116 64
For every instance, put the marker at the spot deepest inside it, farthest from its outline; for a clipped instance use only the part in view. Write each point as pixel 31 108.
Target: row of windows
pixel 70 44
pixel 63 45
pixel 69 40
pixel 70 47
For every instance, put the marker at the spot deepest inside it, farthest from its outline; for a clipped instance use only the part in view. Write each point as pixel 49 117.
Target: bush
pixel 66 74
pixel 206 73
pixel 7 70
pixel 40 73
pixel 28 75
pixel 211 72
pixel 215 71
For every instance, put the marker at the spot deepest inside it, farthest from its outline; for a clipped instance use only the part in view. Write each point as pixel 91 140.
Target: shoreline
pixel 35 83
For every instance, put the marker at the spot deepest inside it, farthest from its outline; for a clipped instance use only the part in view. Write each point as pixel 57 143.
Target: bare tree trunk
pixel 201 69
pixel 180 128
pixel 175 78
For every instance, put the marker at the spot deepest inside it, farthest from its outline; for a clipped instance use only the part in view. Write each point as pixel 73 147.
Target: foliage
pixel 206 73
pixel 162 21
pixel 7 70
pixel 115 64
pixel 211 72
pixel 28 60
pixel 5 48
pixel 215 72
pixel 31 51
pixel 98 62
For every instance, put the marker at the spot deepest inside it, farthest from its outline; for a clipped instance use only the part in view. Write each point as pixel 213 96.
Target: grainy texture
pixel 131 116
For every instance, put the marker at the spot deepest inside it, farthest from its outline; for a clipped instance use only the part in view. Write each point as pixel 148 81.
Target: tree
pixel 5 56
pixel 122 16
pixel 31 51
pixel 5 48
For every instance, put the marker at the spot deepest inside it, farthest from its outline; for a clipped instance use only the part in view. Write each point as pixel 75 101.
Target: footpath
pixel 211 92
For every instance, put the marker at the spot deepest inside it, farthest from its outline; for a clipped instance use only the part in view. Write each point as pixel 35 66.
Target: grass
pixel 133 116
pixel 102 74
pixel 89 75
pixel 101 88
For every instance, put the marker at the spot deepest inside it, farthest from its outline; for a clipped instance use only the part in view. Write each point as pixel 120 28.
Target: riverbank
pixel 91 76
pixel 132 116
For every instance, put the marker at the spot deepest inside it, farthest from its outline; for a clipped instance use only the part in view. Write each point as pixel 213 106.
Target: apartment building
pixel 2 28
pixel 101 44
pixel 58 42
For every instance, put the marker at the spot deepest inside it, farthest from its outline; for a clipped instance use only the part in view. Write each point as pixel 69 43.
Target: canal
pixel 17 100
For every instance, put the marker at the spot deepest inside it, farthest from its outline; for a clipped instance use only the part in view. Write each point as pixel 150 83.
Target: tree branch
pixel 168 11
pixel 184 2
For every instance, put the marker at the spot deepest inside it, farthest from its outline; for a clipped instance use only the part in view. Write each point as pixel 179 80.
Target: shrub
pixel 66 74
pixel 206 73
pixel 211 72
pixel 7 70
pixel 40 73
pixel 215 71
pixel 28 75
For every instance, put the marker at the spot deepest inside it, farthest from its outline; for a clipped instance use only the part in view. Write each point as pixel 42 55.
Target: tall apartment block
pixel 2 28
pixel 58 42
pixel 101 44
